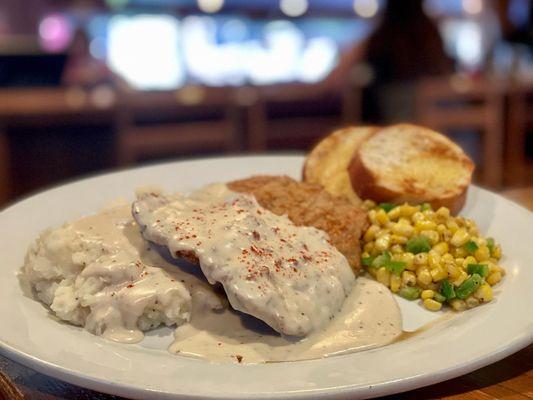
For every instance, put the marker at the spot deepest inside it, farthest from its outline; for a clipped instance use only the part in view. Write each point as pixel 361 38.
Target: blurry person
pixel 82 69
pixel 405 47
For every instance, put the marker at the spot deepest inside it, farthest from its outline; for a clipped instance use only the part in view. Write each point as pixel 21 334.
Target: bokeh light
pixel 472 7
pixel 210 6
pixel 144 49
pixel 55 32
pixel 293 8
pixel 366 8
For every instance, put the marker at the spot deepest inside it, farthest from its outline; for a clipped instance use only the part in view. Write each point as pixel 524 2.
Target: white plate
pixel 456 346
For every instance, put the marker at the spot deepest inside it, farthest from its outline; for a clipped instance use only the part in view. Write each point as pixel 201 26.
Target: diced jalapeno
pixel 381 260
pixel 469 286
pixel 480 269
pixel 418 244
pixel 471 247
pixel 409 293
pixel 396 267
pixel 387 206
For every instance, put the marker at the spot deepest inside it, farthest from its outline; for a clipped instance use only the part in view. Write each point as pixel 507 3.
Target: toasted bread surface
pixel 327 164
pixel 409 163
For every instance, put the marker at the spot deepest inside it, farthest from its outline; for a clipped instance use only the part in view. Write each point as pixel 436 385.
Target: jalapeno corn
pixel 430 255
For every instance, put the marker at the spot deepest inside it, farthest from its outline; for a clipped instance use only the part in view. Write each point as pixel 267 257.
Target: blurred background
pixel 87 85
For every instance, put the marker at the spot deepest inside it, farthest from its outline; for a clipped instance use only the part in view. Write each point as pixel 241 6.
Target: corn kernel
pixel 460 278
pixel 423 276
pixel 441 248
pixel 420 259
pixel 396 249
pixel 433 236
pixel 394 214
pixel 382 243
pixel 434 259
pixel 364 254
pixel 408 259
pixel 407 211
pixel 460 252
pixel 453 270
pixel 459 238
pixel 383 276
pixel 482 253
pixel 404 221
pixel 372 216
pixel 443 212
pixel 469 260
pixel 484 293
pixel 395 282
pixel 427 294
pixel 405 230
pixel 479 241
pixel 408 278
pixel 471 302
pixel 368 247
pixel 459 261
pixel 494 278
pixel 381 217
pixel 369 204
pixel 417 216
pixel 458 304
pixel 497 252
pixel 424 225
pixel 397 239
pixel 432 305
pixel 441 228
pixel 473 231
pixel 447 235
pixel 438 274
pixel 452 226
pixel 370 233
pixel 447 257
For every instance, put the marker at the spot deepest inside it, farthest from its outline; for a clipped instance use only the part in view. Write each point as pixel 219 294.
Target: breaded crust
pixel 309 204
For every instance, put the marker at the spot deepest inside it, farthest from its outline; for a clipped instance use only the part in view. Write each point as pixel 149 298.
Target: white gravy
pixel 107 250
pixel 369 318
pixel 289 276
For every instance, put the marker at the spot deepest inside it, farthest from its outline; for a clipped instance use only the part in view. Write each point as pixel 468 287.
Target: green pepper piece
pixel 471 247
pixel 425 207
pixel 469 286
pixel 480 269
pixel 396 267
pixel 367 261
pixel 439 297
pixel 418 244
pixel 490 244
pixel 387 206
pixel 447 290
pixel 381 260
pixel 409 293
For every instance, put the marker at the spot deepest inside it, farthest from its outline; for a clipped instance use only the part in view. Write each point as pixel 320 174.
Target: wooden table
pixel 510 378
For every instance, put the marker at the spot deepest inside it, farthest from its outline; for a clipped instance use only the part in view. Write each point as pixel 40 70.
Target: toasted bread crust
pixel 328 161
pixel 367 189
pixel 372 184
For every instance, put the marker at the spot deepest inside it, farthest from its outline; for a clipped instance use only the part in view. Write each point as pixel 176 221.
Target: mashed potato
pixel 96 272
